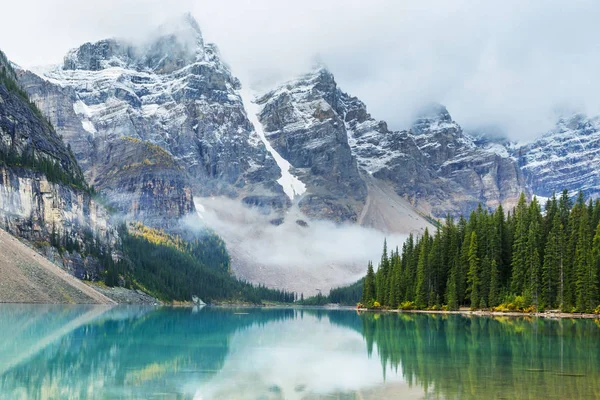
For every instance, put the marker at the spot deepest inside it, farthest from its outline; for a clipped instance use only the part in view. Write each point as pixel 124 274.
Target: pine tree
pixel 422 292
pixel 473 275
pixel 494 296
pixel 369 286
pixel 594 270
pixel 564 207
pixel 452 252
pixel 394 278
pixel 578 211
pixel 410 268
pixel 519 253
pixel 552 267
pixel 533 262
pixel 463 263
pixel 436 276
pixel 382 276
pixel 583 266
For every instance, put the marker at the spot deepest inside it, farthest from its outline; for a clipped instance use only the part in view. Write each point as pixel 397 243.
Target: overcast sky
pixel 515 65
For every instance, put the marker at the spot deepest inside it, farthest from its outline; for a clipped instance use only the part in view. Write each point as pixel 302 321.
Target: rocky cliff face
pixel 567 157
pixel 143 181
pixel 42 190
pixel 305 141
pixel 301 122
pixel 435 165
pixel 173 92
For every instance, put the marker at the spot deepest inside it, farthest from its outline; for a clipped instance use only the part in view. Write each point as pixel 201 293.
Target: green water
pixel 64 352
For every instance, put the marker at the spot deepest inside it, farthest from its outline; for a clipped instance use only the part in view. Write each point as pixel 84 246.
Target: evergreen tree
pixel 369 286
pixel 594 270
pixel 473 278
pixel 487 258
pixel 494 296
pixel 394 279
pixel 583 267
pixel 519 253
pixel 422 292
pixel 551 296
pixel 571 262
pixel 382 276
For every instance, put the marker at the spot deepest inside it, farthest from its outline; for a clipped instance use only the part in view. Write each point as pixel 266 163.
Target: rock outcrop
pixel 331 139
pixel 143 181
pixel 43 194
pixel 301 122
pixel 174 92
pixel 435 165
pixel 567 157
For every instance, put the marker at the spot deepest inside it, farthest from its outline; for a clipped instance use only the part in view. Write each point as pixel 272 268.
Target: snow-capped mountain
pixel 165 130
pixel 304 142
pixel 567 157
pixel 173 92
pixel 435 165
pixel 301 122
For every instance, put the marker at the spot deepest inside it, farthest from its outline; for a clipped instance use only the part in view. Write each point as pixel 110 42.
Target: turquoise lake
pixel 73 352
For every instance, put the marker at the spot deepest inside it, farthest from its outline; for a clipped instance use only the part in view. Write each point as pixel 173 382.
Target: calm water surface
pixel 64 352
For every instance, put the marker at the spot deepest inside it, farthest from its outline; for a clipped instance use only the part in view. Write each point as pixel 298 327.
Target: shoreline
pixel 483 313
pixel 476 313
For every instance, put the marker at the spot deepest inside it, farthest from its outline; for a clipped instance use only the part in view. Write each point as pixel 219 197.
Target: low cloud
pixel 306 259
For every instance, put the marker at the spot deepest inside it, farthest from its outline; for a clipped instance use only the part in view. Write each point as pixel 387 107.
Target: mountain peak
pixel 434 111
pixel 173 45
pixel 184 27
pixel 430 116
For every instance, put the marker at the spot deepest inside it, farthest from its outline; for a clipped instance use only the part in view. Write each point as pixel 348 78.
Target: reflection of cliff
pixel 125 352
pixel 53 322
pixel 473 358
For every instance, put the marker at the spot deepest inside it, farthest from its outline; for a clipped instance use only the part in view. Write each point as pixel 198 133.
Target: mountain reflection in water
pixel 131 352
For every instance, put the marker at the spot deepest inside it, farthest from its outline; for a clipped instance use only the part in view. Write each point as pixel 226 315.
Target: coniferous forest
pixel 529 259
pixel 168 267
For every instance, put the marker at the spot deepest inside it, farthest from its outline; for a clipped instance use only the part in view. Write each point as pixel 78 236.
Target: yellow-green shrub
pixel 407 305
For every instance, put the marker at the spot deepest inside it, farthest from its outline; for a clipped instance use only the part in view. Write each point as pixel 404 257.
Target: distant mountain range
pixel 163 128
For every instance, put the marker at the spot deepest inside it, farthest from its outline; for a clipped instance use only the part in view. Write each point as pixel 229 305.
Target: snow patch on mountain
pixel 292 186
pixel 567 157
pixel 84 113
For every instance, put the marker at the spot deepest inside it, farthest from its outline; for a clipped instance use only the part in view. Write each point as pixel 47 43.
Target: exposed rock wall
pixel 32 205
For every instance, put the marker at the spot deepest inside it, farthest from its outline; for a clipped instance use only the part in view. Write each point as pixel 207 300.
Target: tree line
pixel 168 268
pixel 199 267
pixel 528 259
pixel 345 295
pixel 51 168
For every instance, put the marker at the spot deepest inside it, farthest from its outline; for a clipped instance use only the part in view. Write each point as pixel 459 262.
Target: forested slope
pixel 528 259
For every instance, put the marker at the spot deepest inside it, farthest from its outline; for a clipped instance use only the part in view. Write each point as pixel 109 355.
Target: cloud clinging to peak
pixel 512 65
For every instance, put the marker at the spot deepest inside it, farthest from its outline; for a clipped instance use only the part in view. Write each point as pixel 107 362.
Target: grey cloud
pixel 511 65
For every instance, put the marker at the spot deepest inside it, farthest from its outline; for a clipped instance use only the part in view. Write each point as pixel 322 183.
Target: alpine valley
pixel 132 150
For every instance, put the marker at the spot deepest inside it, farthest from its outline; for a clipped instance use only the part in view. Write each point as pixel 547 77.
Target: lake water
pixel 64 352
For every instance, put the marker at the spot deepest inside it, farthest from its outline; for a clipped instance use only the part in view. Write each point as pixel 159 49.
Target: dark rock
pixel 302 223
pixel 276 221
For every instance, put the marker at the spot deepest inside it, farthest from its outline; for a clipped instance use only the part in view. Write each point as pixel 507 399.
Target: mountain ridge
pixel 302 144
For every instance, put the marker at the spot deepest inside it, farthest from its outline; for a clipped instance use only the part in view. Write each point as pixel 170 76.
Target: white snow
pixel 199 209
pixel 88 126
pixel 498 149
pixel 292 186
pixel 82 110
pixel 149 109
